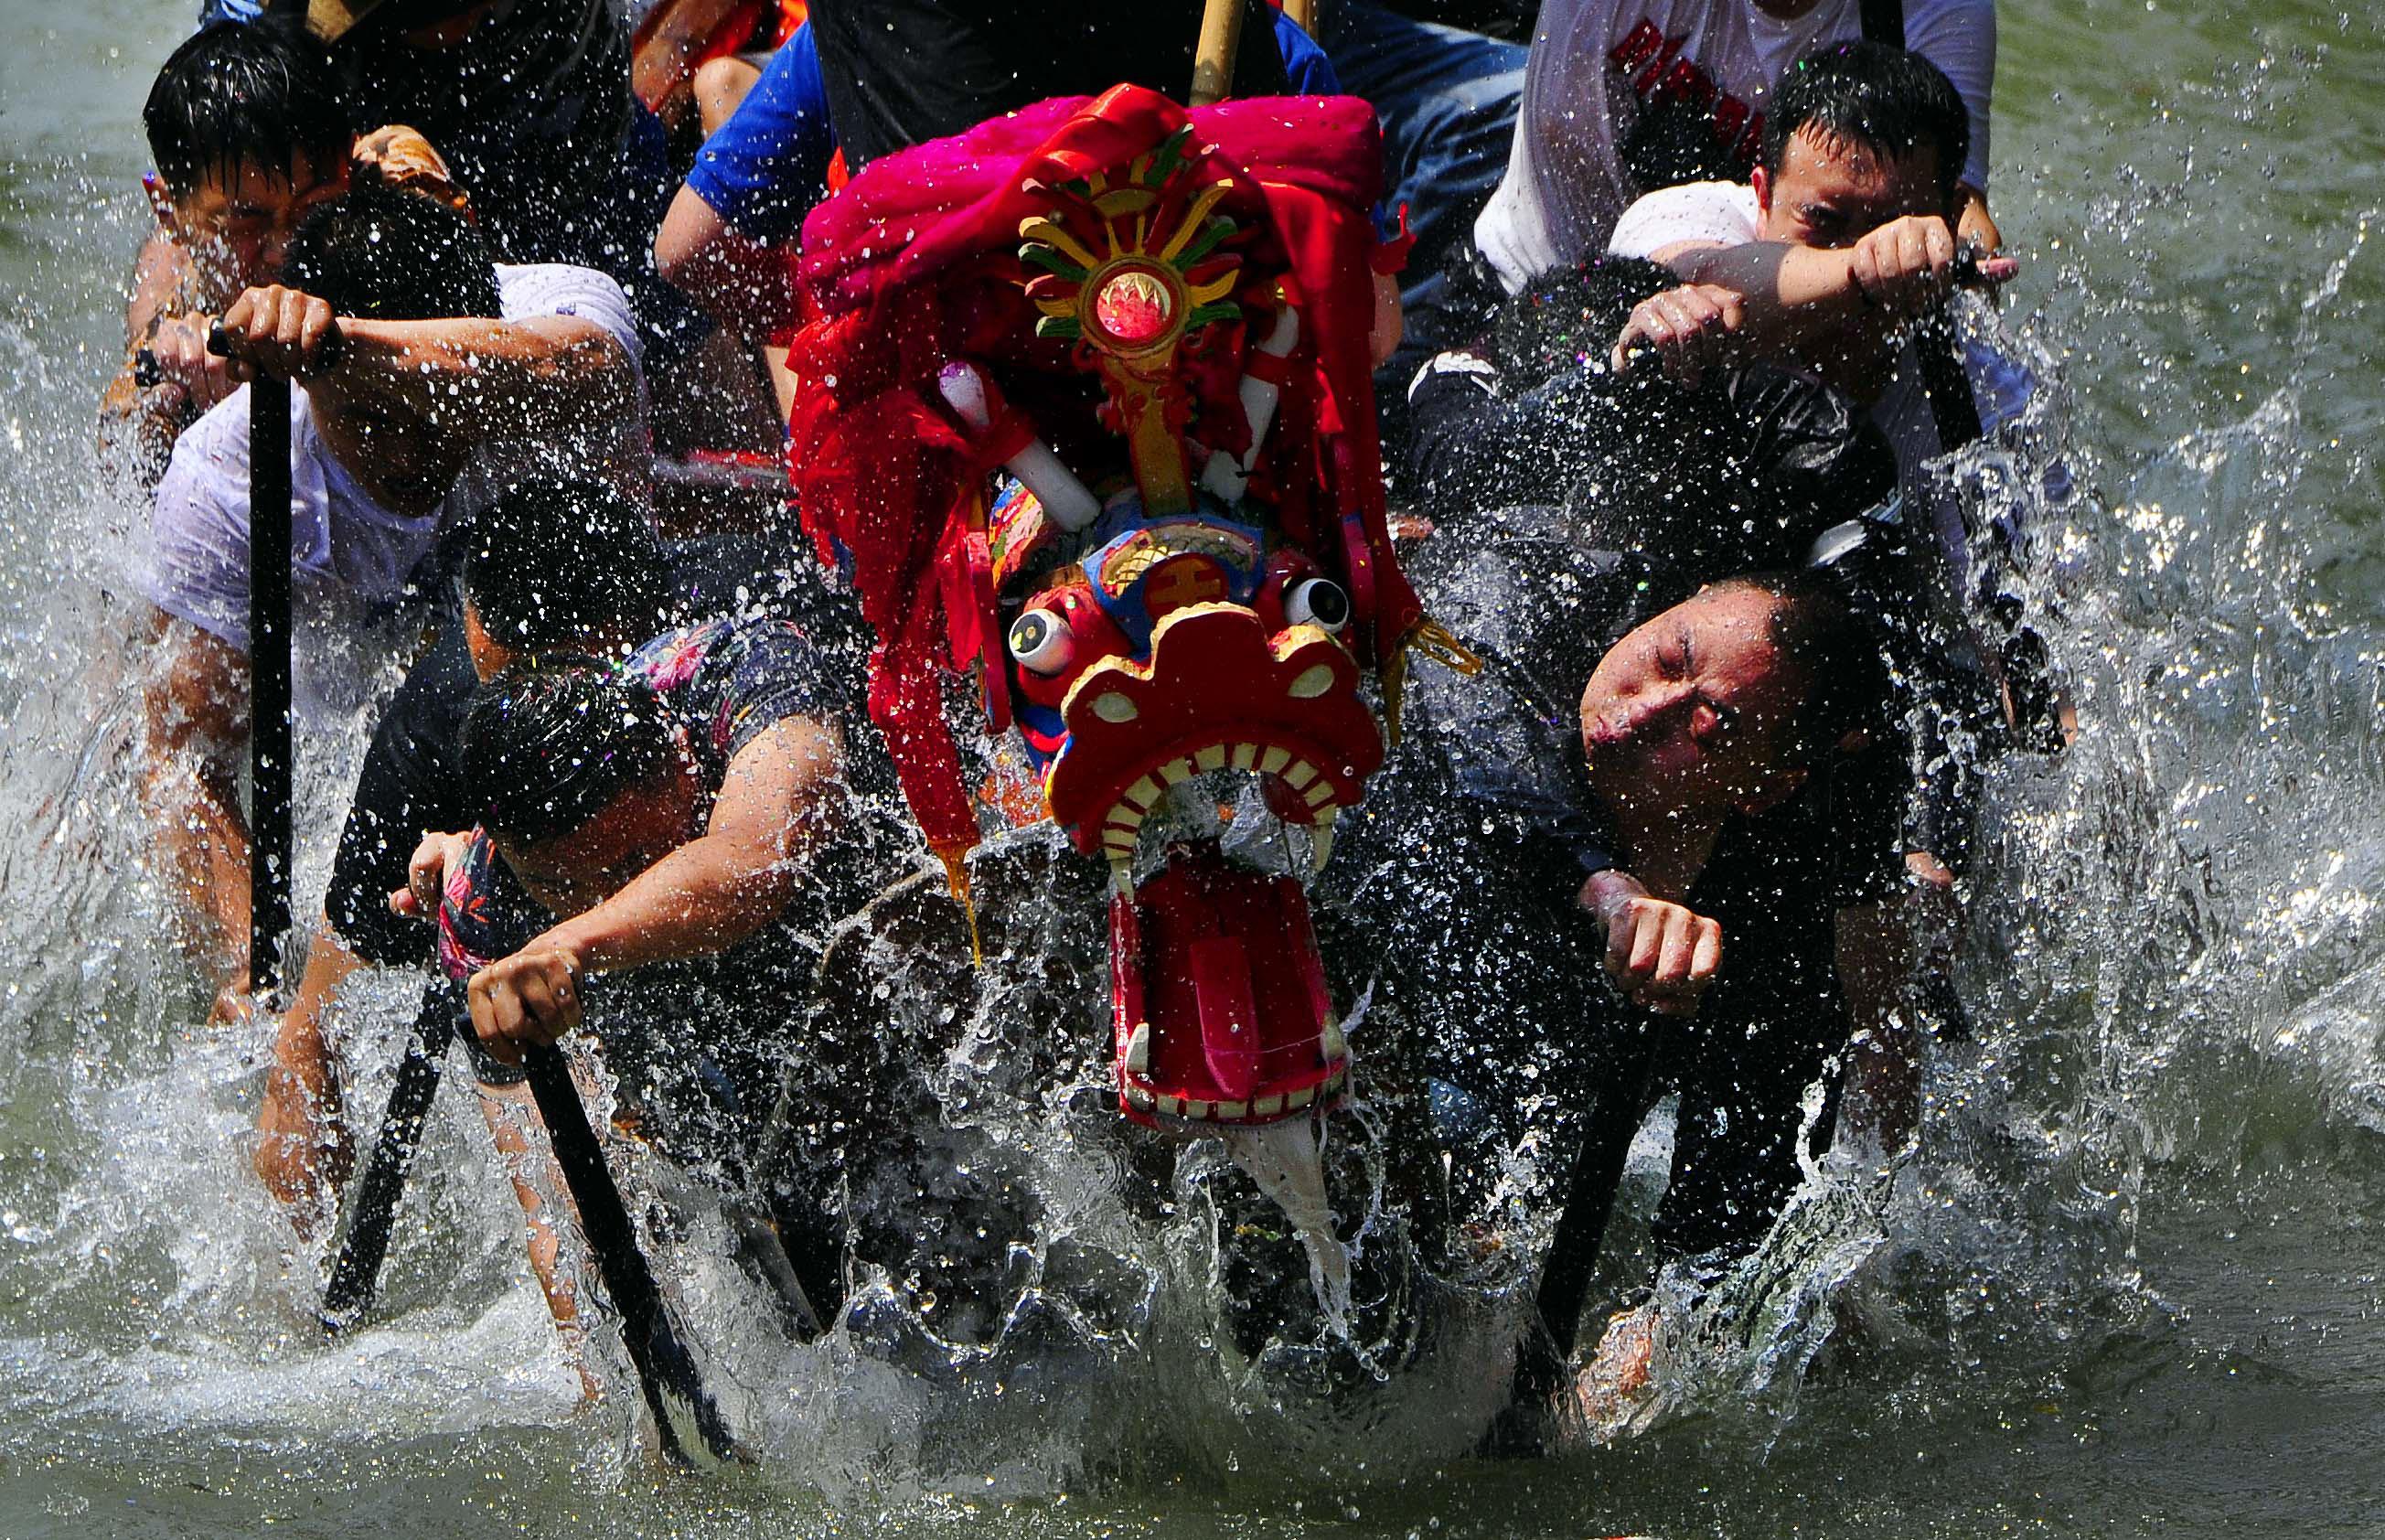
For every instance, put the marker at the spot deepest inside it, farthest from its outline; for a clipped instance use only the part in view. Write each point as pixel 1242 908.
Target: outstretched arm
pixel 1833 310
pixel 469 377
pixel 773 813
pixel 736 279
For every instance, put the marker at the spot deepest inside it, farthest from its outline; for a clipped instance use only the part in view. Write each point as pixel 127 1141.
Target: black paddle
pixel 1544 1356
pixel 270 847
pixel 271 756
pixel 691 1426
pixel 355 1275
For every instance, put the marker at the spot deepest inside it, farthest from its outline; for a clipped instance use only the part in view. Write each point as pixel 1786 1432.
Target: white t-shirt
pixel 1726 214
pixel 1594 62
pixel 350 557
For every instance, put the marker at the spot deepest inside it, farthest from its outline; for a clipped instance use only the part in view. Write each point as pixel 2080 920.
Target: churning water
pixel 2130 1283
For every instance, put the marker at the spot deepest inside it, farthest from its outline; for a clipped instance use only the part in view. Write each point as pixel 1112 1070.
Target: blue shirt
pixel 765 166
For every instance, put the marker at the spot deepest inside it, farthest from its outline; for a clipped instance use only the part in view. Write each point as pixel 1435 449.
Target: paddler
pixel 1679 793
pixel 663 840
pixel 555 564
pixel 428 377
pixel 248 136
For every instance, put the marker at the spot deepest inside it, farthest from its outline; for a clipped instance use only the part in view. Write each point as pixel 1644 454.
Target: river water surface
pixel 2134 1281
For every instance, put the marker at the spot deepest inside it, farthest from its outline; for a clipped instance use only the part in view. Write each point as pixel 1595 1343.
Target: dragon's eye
pixel 1318 602
pixel 1041 642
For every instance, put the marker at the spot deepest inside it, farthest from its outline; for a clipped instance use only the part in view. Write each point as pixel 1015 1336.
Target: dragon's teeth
pixel 1138 1050
pixel 1320 840
pixel 1274 760
pixel 1176 771
pixel 1245 756
pixel 1301 773
pixel 1142 794
pixel 1320 795
pixel 1212 757
pixel 1266 1106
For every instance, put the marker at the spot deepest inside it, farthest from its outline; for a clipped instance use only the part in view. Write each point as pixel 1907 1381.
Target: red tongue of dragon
pixel 1220 1004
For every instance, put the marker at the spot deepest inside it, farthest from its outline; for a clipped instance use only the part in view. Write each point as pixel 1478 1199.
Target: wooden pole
pixel 1213 61
pixel 1302 14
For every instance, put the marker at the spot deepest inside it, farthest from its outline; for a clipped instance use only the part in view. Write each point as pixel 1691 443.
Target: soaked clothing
pixel 1473 841
pixel 697 1046
pixel 531 109
pixel 901 72
pixel 1739 474
pixel 412 780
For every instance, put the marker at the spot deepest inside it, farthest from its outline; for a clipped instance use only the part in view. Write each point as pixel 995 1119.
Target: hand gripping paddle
pixel 269 749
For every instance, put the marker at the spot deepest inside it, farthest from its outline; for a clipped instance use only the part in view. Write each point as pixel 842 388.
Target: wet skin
pixel 1689 719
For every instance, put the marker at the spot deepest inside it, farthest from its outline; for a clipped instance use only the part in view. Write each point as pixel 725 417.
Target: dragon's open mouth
pixel 1221 1012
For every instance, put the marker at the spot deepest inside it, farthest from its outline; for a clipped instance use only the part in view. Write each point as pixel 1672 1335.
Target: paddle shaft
pixel 666 1372
pixel 270 749
pixel 1213 58
pixel 1543 1359
pixel 355 1275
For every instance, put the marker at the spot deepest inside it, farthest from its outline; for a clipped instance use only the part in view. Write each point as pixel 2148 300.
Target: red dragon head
pixel 1086 409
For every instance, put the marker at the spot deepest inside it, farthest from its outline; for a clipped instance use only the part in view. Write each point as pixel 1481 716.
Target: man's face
pixel 1695 710
pixel 574 872
pixel 1830 191
pixel 236 223
pixel 490 657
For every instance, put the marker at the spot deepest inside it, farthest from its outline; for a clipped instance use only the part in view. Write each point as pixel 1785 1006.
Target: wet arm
pixel 508 378
pixel 304 1153
pixel 719 888
pixel 138 425
pixel 1874 958
pixel 1794 300
pixel 739 281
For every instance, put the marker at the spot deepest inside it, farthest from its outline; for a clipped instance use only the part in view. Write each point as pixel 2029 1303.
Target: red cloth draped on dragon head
pixel 1085 407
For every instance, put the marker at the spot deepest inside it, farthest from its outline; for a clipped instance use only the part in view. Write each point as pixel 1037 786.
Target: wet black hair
pixel 235 95
pixel 1889 100
pixel 1818 632
pixel 555 561
pixel 553 742
pixel 387 254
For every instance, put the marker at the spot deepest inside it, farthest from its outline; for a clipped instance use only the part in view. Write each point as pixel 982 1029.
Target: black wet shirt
pixel 412 780
pixel 901 72
pixel 530 108
pixel 1737 474
pixel 1468 854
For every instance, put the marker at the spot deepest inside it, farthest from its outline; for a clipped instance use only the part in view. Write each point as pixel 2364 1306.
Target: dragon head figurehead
pixel 1086 410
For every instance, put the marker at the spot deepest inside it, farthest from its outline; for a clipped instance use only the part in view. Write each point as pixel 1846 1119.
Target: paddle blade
pixel 693 1431
pixel 686 1417
pixel 355 1274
